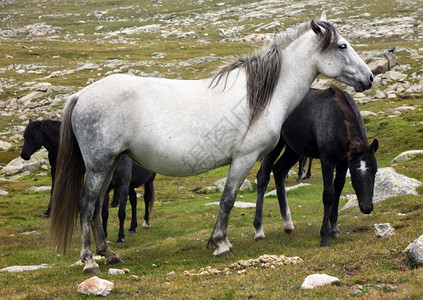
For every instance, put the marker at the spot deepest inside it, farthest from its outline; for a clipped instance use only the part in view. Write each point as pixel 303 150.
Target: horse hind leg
pixel 280 172
pixel 90 206
pixel 148 201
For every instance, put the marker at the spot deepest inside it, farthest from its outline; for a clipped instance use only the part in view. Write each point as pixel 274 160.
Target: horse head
pixel 33 139
pixel 363 168
pixel 337 59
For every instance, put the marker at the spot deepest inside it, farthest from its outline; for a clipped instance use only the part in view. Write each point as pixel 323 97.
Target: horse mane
pixel 264 66
pixel 357 143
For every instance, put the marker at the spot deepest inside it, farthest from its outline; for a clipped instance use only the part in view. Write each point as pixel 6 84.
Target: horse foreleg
pixel 133 201
pixel 263 177
pixel 123 198
pixel 280 172
pixel 105 212
pixel 328 199
pixel 148 201
pixel 341 171
pixel 238 171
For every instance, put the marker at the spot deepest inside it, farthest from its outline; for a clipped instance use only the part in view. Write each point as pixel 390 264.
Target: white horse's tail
pixel 69 182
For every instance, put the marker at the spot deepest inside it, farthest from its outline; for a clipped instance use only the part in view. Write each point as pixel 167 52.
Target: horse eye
pixel 342 46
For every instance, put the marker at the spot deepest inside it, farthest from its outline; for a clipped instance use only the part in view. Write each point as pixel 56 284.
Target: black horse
pixel 326 125
pixel 127 176
pixel 43 133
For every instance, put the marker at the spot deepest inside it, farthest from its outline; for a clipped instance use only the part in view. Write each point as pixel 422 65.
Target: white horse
pixel 186 127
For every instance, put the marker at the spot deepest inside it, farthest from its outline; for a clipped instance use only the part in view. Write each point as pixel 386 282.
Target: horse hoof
pixel 324 244
pixel 114 204
pixel 145 225
pixel 113 260
pixel 259 237
pixel 120 244
pixel 44 215
pixel 289 230
pixel 226 253
pixel 335 234
pixel 132 231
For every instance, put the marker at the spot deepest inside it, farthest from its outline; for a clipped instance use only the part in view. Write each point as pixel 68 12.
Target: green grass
pixel 181 225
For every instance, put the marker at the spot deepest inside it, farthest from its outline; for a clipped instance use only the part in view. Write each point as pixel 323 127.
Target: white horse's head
pixel 337 59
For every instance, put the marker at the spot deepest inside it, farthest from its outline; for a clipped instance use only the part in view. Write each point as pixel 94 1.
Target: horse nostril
pixel 371 78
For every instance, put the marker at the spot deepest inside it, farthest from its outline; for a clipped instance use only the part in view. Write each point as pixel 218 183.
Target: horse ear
pixel 323 16
pixel 316 28
pixel 374 146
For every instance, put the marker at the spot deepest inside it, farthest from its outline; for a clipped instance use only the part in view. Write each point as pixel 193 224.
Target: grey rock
pixel 239 204
pixel 366 113
pixel 14 269
pixel 37 189
pixel 408 155
pixel 5 145
pixel 287 189
pixel 38 159
pixel 4 193
pixel 245 186
pixel 414 252
pixel 383 230
pixel 388 183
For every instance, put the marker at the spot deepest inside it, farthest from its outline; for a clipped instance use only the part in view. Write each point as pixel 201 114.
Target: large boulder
pixel 18 165
pixel 388 183
pixel 408 155
pixel 245 186
pixel 414 252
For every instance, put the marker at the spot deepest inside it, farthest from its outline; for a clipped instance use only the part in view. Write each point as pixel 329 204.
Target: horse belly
pixel 178 161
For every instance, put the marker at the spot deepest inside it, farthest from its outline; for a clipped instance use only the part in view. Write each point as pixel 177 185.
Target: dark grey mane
pixel 264 66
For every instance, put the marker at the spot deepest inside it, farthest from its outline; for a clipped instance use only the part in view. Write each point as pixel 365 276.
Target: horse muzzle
pixel 364 85
pixel 25 156
pixel 366 208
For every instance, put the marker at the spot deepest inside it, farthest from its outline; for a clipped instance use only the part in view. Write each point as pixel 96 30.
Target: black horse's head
pixel 363 168
pixel 33 137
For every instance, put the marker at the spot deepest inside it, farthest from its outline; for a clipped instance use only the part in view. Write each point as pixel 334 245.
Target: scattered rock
pixel 414 252
pixel 383 230
pixel 37 189
pixel 116 272
pixel 95 286
pixel 287 189
pixel 245 186
pixel 408 155
pixel 266 261
pixel 4 193
pixel 134 277
pixel 239 204
pixel 24 268
pixel 316 280
pixel 4 145
pixel 171 274
pixel 366 113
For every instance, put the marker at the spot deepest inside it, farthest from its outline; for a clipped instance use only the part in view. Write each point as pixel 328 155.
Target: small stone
pixel 116 272
pixel 134 277
pixel 315 280
pixel 171 273
pixel 384 230
pixel 126 270
pixel 95 286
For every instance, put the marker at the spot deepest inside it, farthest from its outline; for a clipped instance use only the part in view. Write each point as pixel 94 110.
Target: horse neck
pixel 298 72
pixel 50 139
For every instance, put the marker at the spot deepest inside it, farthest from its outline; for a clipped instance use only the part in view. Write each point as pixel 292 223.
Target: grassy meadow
pixel 181 224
